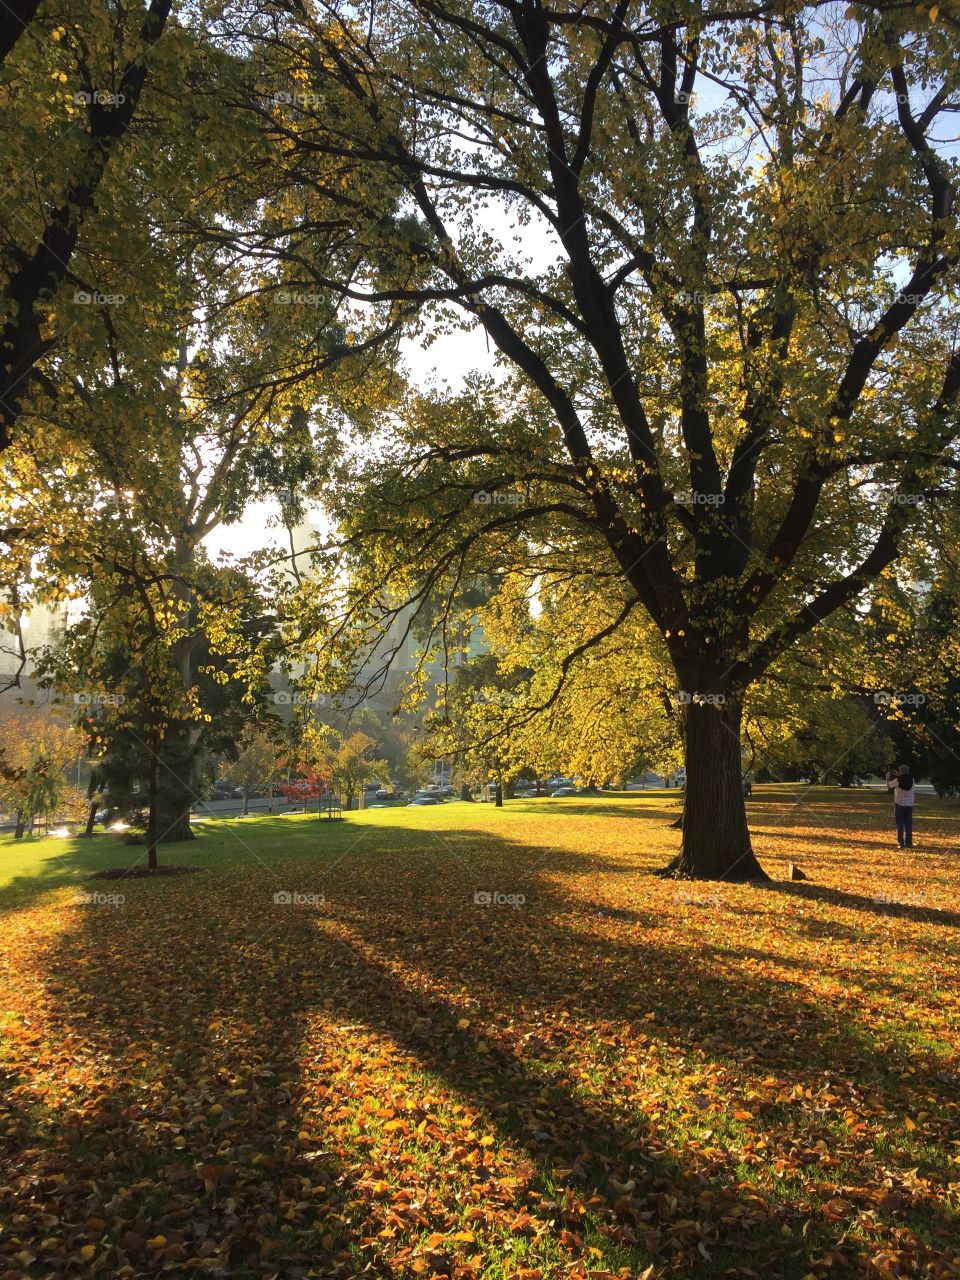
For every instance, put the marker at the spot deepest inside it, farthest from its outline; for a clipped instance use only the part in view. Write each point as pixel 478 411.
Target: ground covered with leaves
pixel 321 1056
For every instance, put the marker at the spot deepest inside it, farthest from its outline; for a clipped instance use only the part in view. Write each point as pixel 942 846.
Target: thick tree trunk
pixel 716 841
pixel 465 793
pixel 246 801
pixel 21 822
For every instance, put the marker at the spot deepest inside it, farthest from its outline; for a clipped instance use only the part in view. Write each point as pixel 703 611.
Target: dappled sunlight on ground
pixel 588 1072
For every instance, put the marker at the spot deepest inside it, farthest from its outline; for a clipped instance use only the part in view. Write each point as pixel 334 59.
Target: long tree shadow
pixel 607 1144
pixel 202 1035
pixel 878 904
pixel 157 1120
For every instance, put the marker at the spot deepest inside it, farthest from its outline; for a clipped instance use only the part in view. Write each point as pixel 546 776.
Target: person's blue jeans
pixel 904 816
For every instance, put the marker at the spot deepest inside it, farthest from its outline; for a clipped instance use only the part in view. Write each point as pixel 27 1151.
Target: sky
pixel 447 361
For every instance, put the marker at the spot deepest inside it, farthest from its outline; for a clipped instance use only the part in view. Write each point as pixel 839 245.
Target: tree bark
pixel 40 274
pixel 21 822
pixel 19 15
pixel 91 820
pixel 716 840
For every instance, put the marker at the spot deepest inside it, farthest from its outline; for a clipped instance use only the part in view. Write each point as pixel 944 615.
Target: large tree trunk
pixel 21 823
pixel 716 841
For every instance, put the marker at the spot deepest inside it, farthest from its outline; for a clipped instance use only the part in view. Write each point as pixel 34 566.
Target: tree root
pixel 746 870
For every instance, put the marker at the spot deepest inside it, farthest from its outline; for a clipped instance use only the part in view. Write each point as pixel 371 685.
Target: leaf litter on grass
pixel 608 1079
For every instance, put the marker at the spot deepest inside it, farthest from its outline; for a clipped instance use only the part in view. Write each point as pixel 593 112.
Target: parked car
pixel 565 791
pixel 424 800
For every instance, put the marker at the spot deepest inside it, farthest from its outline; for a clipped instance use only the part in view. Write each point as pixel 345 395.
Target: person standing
pixel 903 796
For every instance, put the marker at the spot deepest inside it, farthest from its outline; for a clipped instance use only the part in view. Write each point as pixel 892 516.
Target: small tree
pixel 38 749
pixel 255 763
pixel 352 764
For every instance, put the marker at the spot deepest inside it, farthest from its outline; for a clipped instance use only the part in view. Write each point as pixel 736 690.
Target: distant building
pixel 394 658
pixel 36 627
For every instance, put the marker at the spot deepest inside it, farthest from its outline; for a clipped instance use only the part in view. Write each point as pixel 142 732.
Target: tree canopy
pixel 716 254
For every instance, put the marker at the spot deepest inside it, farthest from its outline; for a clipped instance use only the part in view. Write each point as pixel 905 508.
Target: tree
pixel 161 679
pixel 350 763
pixel 912 641
pixel 99 62
pixel 835 741
pixel 255 762
pixel 38 748
pixel 716 254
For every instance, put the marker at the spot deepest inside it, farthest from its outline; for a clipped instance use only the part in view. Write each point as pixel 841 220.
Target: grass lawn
pixel 610 1075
